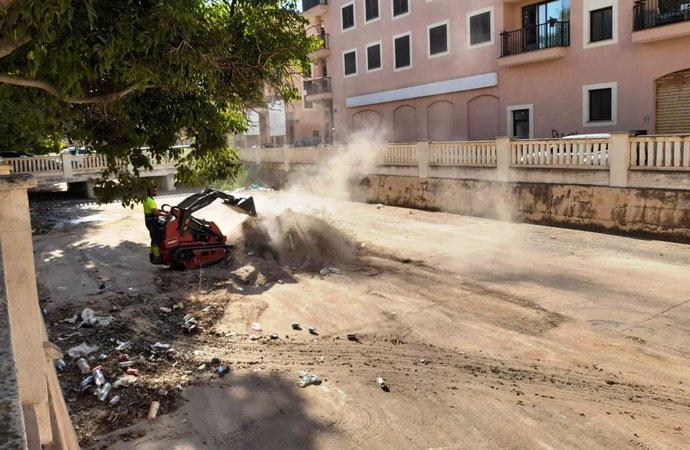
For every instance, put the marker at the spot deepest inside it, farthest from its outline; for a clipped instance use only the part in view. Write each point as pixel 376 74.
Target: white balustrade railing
pixel 89 163
pixel 305 154
pixel 660 152
pixel 39 164
pixel 397 155
pixel 587 153
pixel 479 153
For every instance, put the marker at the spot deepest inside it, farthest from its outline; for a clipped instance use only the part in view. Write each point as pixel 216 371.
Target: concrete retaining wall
pixel 659 213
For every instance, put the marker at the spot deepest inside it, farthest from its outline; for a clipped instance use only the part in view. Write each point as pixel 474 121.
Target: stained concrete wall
pixel 659 213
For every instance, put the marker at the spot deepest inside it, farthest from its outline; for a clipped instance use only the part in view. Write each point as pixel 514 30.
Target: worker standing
pixel 151 215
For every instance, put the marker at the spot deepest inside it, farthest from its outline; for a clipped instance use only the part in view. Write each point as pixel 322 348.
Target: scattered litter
pixel 307 379
pixel 90 319
pixel 188 323
pixel 177 306
pixel 201 367
pixel 153 410
pixel 280 281
pixel 60 365
pixel 256 326
pixel 64 338
pixel 81 350
pixel 123 357
pixel 132 371
pixel 179 387
pixel 102 357
pixel 72 319
pixel 114 401
pixel 274 335
pixel 296 326
pixel 61 288
pixel 103 391
pixel 165 310
pixel 125 364
pixel 162 392
pixel 253 337
pixel 231 334
pixel 207 309
pixel 379 206
pixel 161 346
pixel 222 370
pixel 326 270
pixel 88 381
pixel 312 330
pixel 125 381
pixel 352 337
pixel 257 370
pixel 381 383
pixel 320 359
pixel 122 345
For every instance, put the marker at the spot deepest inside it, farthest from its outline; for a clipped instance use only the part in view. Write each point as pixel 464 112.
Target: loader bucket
pixel 243 206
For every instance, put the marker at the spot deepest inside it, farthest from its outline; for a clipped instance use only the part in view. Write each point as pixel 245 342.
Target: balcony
pixel 318 89
pixel 540 43
pixel 324 50
pixel 314 7
pixel 655 20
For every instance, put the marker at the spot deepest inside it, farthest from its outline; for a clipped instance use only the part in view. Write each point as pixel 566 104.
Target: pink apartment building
pixel 476 69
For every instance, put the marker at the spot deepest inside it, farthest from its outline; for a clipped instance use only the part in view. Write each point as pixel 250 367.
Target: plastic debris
pixel 125 381
pixel 379 206
pixel 72 319
pixel 160 345
pixel 153 410
pixel 256 326
pixel 103 391
pixel 326 270
pixel 132 371
pixel 307 379
pixel 201 367
pixel 114 401
pixel 177 306
pixel 122 345
pixel 274 335
pixel 254 337
pixel 312 330
pixel 125 364
pixel 98 376
pixel 81 350
pixel 102 357
pixel 222 370
pixel 381 382
pixel 88 381
pixel 123 357
pixel 165 310
pixel 352 337
pixel 188 323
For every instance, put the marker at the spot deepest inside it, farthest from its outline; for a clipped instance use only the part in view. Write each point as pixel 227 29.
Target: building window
pixel 350 62
pixel 601 24
pixel 373 57
pixel 403 51
pixel 438 39
pixel 307 104
pixel 347 15
pixel 599 104
pixel 371 10
pixel 520 121
pixel 480 27
pixel 400 7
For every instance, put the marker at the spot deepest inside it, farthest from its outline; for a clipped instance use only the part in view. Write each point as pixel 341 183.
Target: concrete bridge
pixel 79 171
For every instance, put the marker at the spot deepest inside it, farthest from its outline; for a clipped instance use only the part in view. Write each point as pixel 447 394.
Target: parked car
pixel 307 142
pixel 15 154
pixel 78 151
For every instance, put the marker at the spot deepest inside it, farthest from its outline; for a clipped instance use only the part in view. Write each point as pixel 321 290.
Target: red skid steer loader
pixel 187 242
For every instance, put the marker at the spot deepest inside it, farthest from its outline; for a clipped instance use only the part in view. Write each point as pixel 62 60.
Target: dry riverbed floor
pixel 487 334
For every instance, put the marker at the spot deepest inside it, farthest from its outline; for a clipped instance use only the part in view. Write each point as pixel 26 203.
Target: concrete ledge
pixel 19 181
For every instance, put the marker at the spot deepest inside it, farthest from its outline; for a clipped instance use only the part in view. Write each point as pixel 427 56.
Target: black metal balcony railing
pixel 309 4
pixel 317 86
pixel 324 40
pixel 655 13
pixel 554 33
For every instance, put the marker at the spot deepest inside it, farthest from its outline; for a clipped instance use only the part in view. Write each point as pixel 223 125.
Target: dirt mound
pixel 297 241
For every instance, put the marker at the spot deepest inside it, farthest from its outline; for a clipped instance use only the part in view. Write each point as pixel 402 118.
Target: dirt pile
pixel 297 242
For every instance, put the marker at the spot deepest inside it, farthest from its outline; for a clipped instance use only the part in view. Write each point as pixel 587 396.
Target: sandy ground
pixel 488 334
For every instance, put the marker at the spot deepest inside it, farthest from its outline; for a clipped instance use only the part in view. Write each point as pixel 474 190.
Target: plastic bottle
pixel 103 391
pixel 86 381
pixel 114 401
pixel 84 367
pixel 381 382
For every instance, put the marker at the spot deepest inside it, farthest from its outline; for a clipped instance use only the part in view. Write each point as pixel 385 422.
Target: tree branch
pixel 52 90
pixel 8 45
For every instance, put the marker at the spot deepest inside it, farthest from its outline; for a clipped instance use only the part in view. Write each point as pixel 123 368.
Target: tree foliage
pixel 122 75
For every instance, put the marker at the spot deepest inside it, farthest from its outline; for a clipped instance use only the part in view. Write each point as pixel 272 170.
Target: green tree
pixel 133 73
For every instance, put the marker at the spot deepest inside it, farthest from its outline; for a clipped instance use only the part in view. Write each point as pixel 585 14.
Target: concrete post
pixel 67 171
pixel 619 158
pixel 503 158
pixel 24 311
pixel 286 158
pixel 423 150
